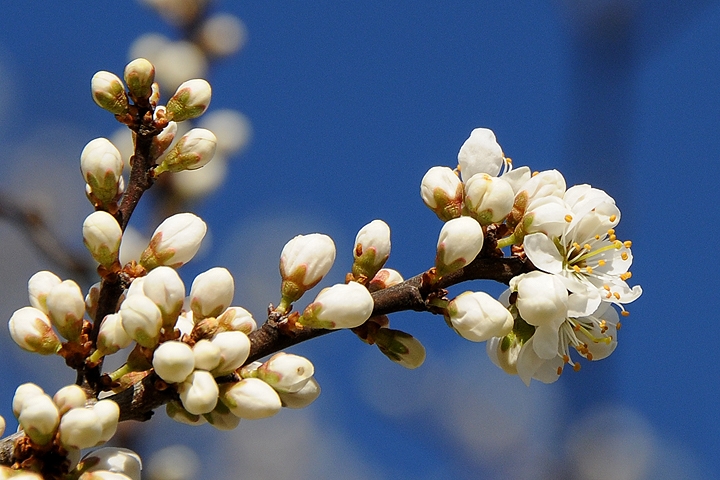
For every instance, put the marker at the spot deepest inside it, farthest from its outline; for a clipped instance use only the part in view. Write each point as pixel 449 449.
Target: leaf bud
pixel 460 241
pixel 251 398
pixel 372 249
pixel 442 191
pixel 190 100
pixel 175 241
pixel 173 361
pixel 108 92
pixel 31 329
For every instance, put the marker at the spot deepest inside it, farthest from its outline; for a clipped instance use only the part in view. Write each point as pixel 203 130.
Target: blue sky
pixel 350 104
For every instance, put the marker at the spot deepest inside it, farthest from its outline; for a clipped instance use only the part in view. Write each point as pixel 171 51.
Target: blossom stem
pixel 506 242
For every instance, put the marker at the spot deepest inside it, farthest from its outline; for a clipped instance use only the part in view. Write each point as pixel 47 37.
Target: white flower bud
pixel 175 242
pixel 32 331
pixel 39 418
pixel 80 428
pixel 478 317
pixel 304 261
pixel 113 459
pixel 340 306
pixel 101 236
pixel 112 336
pixel 251 398
pixel 108 414
pixel 548 183
pixel 92 298
pixel 108 92
pixel 139 77
pixel 39 286
pixel 141 319
pixel 176 412
pixel 211 293
pixel 442 192
pixel 103 475
pixel 222 418
pixel 69 397
pixel 199 393
pixel 161 142
pixel 548 215
pixel 385 278
pixel 250 370
pixel 207 355
pixel 164 287
pixel 22 393
pixel 480 154
pixel 222 35
pixel 173 361
pixel 400 347
pixel 101 165
pixel 488 199
pixel 286 372
pixel 2 426
pixel 504 352
pixel 66 307
pixel 190 100
pixel 372 249
pixel 194 150
pixel 236 319
pixel 234 350
pixel 460 241
pixel 232 129
pixel 303 397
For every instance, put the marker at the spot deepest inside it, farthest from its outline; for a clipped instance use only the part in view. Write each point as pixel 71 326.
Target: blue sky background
pixel 350 104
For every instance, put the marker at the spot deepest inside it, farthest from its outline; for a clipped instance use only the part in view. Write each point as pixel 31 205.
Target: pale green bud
pixel 108 92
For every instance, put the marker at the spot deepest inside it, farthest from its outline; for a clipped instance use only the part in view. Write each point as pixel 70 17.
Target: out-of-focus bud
pixel 384 278
pixel 101 236
pixel 222 418
pixel 176 411
pixel 286 372
pixel 101 165
pixel 304 261
pixel 340 306
pixel 211 293
pixel 251 398
pixel 112 336
pixel 69 397
pixel 460 241
pixel 190 100
pixel 480 154
pixel 139 77
pixel 222 35
pixel 232 129
pixel 488 199
pixel 175 241
pixel 193 184
pixel 132 245
pixel 161 142
pixel 234 350
pixel 39 418
pixel 22 393
pixel 39 286
pixel 2 426
pixel 31 329
pixel 372 249
pixel 236 319
pixel 303 397
pixel 194 150
pixel 108 92
pixel 108 415
pixel 79 428
pixel 400 347
pixel 113 459
pixel 504 352
pixel 91 300
pixel 442 192
pixel 66 307
pixel 478 317
pixel 164 287
pixel 141 319
pixel 207 355
pixel 173 361
pixel 199 393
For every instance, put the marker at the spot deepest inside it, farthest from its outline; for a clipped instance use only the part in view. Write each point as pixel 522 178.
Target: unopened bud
pixel 175 241
pixel 101 236
pixel 22 393
pixel 234 350
pixel 384 278
pixel 39 286
pixel 69 397
pixel 480 154
pixel 286 372
pixel 141 319
pixel 101 165
pixel 207 355
pixel 488 199
pixel 340 306
pixel 31 329
pixel 199 393
pixel 211 293
pixel 303 397
pixel 164 287
pixel 251 398
pixel 194 150
pixel 400 347
pixel 478 317
pixel 39 418
pixel 236 319
pixel 504 352
pixel 108 92
pixel 173 361
pixel 66 307
pixel 304 261
pixel 161 142
pixel 190 100
pixel 108 415
pixel 442 192
pixel 139 77
pixel 79 428
pixel 460 241
pixel 372 249
pixel 112 336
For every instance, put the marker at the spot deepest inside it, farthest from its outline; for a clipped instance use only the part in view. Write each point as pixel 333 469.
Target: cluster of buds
pixel 569 236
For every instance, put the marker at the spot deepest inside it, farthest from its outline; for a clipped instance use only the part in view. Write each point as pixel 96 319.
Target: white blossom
pixel 207 355
pixel 304 261
pixel 22 393
pixel 194 150
pixel 102 235
pixel 285 372
pixel 39 286
pixel 237 319
pixel 400 347
pixel 101 165
pixel 340 306
pixel 79 428
pixel 141 319
pixel 69 397
pixel 66 308
pixel 112 336
pixel 222 418
pixel 372 248
pixel 176 412
pixel 108 92
pixel 113 459
pixel 488 199
pixel 139 76
pixel 385 278
pixel 108 415
pixel 39 418
pixel 164 287
pixel 234 350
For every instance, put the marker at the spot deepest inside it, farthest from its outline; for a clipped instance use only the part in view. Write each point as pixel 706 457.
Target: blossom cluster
pixel 568 234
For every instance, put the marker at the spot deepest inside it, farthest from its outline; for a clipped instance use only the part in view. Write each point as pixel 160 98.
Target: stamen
pixel 606 287
pixel 624 255
pixel 566 359
pixel 627 243
pixel 625 276
pixel 559 370
pixel 576 268
pixel 568 218
pixel 589 356
pixel 576 245
pixel 616 295
pixel 587 247
pixel 534 173
pixel 576 367
pixel 613 218
pixel 609 295
pixel 601 263
pixel 597 237
pixel 611 231
pixel 618 244
pixel 589 270
pixel 618 325
pixel 613 238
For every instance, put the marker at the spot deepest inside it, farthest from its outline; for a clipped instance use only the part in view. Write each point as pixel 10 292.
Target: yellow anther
pixel 568 218
pixel 534 173
pixel 576 245
pixel 627 243
pixel 625 276
pixel 613 238
pixel 616 295
pixel 587 246
pixel 597 237
pixel 589 356
pixel 618 325
pixel 601 263
pixel 589 270
pixel 566 359
pixel 611 231
pixel 559 370
pixel 576 268
pixel 618 244
pixel 606 287
pixel 613 218
pixel 624 255
pixel 609 295
pixel 508 160
pixel 625 313
pixel 576 367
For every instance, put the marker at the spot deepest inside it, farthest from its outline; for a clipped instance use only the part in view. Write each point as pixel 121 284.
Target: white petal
pixel 545 341
pixel 543 253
